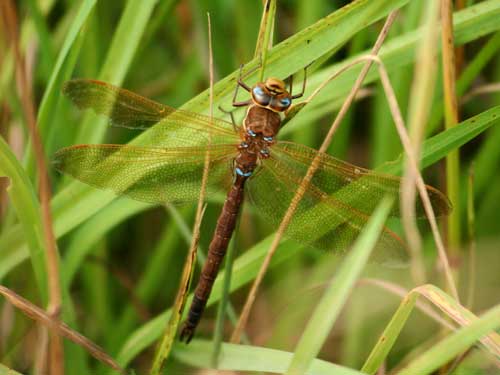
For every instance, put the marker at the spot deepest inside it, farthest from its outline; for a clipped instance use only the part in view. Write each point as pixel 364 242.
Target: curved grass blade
pixel 454 344
pixel 446 304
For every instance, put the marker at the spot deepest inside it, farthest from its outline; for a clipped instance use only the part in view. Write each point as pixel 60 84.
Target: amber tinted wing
pixel 337 204
pixel 154 175
pixel 129 110
pixel 358 187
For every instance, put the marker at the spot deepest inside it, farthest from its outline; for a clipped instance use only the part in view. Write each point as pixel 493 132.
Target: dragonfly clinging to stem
pixel 243 160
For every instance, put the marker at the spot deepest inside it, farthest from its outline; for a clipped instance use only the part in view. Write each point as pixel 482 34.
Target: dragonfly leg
pixel 296 96
pixel 245 86
pixel 230 113
pixel 241 83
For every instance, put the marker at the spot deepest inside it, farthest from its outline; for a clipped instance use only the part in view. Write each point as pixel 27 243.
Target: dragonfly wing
pixel 321 220
pixel 360 188
pixel 124 108
pixel 153 175
pixel 129 110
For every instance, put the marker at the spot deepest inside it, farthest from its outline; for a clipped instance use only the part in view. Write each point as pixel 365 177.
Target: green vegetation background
pixel 121 260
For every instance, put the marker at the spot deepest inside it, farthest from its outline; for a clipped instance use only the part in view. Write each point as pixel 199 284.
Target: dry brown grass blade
pixel 165 346
pixel 471 233
pixel 305 182
pixel 405 140
pixel 451 116
pixel 455 311
pixel 62 330
pixel 489 88
pixel 419 111
pixel 56 361
pixel 403 292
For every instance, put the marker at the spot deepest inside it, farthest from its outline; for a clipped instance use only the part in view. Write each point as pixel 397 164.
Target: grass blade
pixel 446 304
pixel 125 43
pixel 251 358
pixel 454 344
pixel 333 300
pixel 25 202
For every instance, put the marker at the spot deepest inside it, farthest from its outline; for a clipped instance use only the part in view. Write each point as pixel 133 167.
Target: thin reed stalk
pixel 451 117
pixel 56 352
pixel 165 346
pixel 419 109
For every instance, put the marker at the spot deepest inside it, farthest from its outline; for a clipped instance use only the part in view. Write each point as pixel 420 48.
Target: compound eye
pixel 285 102
pixel 281 104
pixel 260 96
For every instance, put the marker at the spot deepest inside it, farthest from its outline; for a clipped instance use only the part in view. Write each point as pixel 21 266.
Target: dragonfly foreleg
pixel 240 82
pixel 296 96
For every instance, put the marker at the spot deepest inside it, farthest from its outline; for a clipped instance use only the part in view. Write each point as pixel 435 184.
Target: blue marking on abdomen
pixel 244 174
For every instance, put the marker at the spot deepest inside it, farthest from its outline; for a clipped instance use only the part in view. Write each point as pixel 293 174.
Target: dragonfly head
pixel 272 94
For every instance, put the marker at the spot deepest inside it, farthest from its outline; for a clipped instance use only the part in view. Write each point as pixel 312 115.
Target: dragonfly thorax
pixel 262 121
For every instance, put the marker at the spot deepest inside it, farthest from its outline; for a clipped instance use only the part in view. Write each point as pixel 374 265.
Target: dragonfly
pixel 165 165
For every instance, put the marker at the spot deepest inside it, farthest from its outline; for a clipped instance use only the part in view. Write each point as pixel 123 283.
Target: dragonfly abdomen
pixel 216 251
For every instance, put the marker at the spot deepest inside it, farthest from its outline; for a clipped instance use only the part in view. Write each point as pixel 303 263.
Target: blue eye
pixel 285 102
pixel 258 91
pixel 260 96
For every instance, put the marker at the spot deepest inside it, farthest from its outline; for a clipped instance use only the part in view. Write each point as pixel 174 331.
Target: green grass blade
pixel 60 72
pixel 264 39
pixel 442 301
pixel 328 309
pixel 52 92
pixel 390 334
pixel 437 147
pixel 8 371
pixel 25 202
pixel 251 358
pixel 469 24
pixel 125 43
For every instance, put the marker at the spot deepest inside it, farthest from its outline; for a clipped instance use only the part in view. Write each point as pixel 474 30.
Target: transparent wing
pixel 336 205
pixel 126 109
pixel 154 175
pixel 358 187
